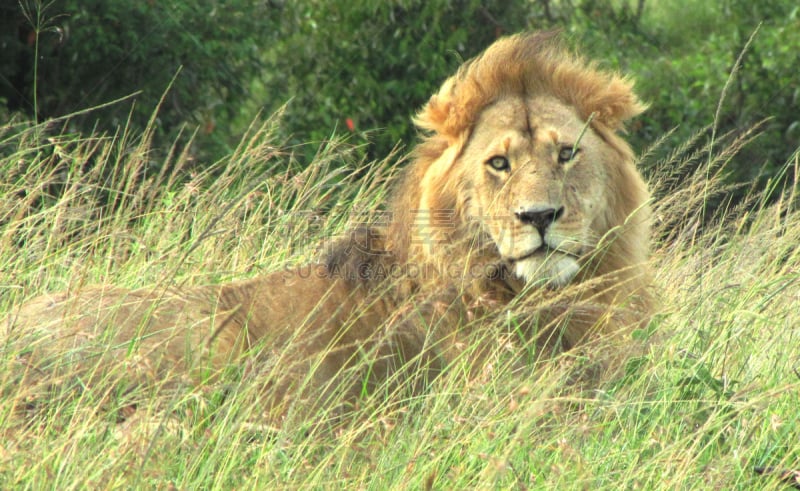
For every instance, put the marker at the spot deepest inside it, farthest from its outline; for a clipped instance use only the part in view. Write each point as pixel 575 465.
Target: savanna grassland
pixel 712 399
pixel 98 196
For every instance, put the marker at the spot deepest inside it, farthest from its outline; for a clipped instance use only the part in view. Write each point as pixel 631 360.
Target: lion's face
pixel 535 179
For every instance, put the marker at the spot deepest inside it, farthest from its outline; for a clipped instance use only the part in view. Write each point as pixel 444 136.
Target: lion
pixel 521 198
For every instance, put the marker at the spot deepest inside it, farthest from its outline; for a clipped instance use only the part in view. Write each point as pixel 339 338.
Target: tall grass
pixel 714 397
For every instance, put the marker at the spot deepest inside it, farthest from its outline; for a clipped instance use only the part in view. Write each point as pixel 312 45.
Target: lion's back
pixel 101 335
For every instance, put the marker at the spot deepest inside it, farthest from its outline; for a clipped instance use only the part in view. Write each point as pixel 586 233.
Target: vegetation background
pixel 138 147
pixel 363 67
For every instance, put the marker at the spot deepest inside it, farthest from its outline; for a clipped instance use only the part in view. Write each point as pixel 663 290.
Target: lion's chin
pixel 555 271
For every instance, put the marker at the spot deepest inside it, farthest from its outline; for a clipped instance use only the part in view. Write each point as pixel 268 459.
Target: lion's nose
pixel 540 216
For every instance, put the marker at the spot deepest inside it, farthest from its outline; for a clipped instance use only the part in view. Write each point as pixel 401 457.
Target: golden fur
pixel 496 215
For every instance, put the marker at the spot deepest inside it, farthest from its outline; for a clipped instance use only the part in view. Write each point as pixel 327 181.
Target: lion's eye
pixel 566 154
pixel 499 163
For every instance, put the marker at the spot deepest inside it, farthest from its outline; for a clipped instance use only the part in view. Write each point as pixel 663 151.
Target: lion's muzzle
pixel 540 217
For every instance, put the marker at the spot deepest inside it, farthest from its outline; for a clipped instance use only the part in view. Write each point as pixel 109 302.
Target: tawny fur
pixel 401 302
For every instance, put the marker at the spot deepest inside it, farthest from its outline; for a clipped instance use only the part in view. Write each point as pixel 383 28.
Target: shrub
pixel 91 52
pixel 375 63
pixel 682 60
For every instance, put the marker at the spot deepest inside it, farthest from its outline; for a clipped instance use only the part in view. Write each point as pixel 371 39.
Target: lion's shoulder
pixel 361 256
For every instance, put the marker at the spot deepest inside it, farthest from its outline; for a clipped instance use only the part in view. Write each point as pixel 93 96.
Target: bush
pixel 363 68
pixel 91 52
pixel 366 67
pixel 682 60
pixel 371 65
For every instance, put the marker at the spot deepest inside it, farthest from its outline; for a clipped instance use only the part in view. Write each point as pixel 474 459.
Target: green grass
pixel 714 396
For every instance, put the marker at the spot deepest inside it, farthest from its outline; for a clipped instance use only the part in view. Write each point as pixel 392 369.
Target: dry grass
pixel 714 397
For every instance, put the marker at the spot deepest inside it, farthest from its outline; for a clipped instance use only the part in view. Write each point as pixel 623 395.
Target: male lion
pixel 521 200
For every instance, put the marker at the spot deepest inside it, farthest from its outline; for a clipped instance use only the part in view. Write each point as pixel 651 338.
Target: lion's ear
pixel 449 112
pixel 433 114
pixel 614 104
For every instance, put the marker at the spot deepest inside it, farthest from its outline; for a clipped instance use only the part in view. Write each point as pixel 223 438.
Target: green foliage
pixel 91 52
pixel 371 65
pixel 375 63
pixel 682 55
